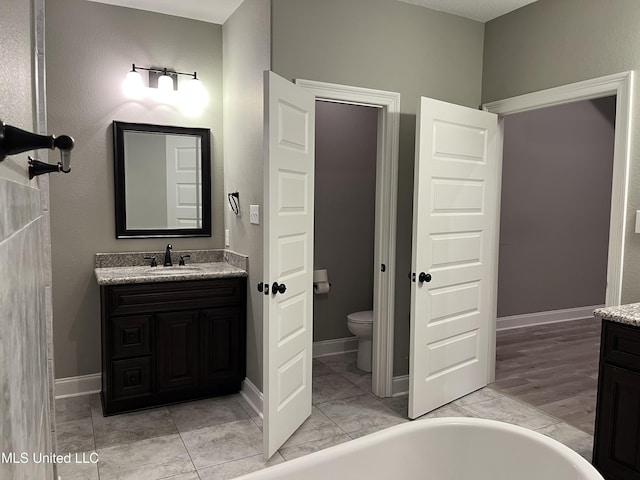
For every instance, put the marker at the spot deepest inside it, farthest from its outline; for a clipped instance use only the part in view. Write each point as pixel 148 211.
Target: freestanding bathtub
pixel 440 449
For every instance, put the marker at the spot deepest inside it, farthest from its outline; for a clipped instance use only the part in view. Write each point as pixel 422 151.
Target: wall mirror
pixel 162 180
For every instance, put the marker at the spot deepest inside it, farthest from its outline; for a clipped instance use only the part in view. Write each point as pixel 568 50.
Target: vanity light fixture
pixel 191 96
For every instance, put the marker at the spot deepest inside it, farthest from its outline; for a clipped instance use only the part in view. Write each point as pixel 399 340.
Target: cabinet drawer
pixel 130 336
pixel 162 297
pixel 131 378
pixel 621 344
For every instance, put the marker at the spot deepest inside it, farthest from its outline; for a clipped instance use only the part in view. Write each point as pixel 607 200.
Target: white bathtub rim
pixel 582 466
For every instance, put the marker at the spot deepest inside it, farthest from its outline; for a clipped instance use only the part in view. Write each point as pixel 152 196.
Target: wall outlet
pixel 254 214
pixel 227 243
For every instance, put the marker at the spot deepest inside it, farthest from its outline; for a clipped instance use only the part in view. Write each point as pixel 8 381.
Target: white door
pixel 288 258
pixel 184 182
pixel 454 253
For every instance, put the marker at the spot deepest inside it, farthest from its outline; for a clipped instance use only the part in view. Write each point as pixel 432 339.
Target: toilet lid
pixel 365 316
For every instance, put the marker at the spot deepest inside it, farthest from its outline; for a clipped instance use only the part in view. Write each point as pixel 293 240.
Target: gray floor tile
pixel 317 427
pixel 78 471
pixel 360 412
pixel 150 459
pixel 449 410
pixel 572 437
pixel 207 413
pixel 223 443
pixel 481 395
pixel 367 431
pixel 345 362
pixel 132 427
pixel 73 408
pixel 332 387
pixel 400 405
pixel 320 368
pixel 75 436
pixel 508 410
pixel 247 407
pixel 240 467
pixel 289 453
pixel 184 476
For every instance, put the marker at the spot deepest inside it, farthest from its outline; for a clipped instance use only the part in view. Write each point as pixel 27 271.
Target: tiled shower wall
pixel 25 272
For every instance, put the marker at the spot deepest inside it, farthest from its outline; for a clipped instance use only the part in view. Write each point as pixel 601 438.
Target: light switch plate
pixel 637 221
pixel 254 214
pixel 227 243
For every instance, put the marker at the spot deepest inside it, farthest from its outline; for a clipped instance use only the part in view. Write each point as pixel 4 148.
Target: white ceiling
pixel 217 11
pixel 480 10
pixel 212 11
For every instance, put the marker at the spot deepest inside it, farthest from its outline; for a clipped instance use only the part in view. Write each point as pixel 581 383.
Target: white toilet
pixel 361 325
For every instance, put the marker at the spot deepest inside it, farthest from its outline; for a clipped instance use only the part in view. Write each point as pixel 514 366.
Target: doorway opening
pixel 387 105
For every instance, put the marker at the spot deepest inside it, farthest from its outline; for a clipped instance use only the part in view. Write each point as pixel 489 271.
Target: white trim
pixel 252 396
pixel 400 386
pixel 336 346
pixel 76 386
pixel 621 85
pixel 386 211
pixel 541 318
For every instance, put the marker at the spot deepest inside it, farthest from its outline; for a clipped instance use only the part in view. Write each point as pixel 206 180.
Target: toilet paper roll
pixel 321 288
pixel 320 276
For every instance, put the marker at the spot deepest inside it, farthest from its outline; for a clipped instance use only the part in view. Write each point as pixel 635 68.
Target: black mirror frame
pixel 119 128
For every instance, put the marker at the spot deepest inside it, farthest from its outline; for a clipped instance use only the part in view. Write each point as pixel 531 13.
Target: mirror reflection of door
pixel 184 182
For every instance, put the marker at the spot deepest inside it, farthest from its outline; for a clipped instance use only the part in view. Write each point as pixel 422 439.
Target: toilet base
pixel 364 355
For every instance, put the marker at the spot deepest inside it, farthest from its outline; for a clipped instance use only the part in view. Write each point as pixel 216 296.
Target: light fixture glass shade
pixel 165 83
pixel 133 86
pixel 193 97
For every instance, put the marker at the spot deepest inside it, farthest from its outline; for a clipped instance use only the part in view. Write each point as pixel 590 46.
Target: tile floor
pixel 221 438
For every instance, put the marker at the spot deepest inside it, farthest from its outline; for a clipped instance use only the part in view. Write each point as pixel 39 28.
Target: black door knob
pixel 424 277
pixel 260 286
pixel 275 288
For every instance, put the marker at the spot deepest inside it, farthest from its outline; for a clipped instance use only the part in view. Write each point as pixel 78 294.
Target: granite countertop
pixel 627 314
pixel 130 267
pixel 193 271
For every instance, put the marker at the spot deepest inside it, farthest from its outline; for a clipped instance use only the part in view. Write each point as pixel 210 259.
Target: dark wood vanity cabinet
pixel 171 341
pixel 616 449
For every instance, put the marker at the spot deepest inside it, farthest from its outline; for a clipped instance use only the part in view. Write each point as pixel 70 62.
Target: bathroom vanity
pixel 171 334
pixel 616 448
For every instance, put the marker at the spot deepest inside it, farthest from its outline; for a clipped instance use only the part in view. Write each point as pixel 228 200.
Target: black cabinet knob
pixel 424 277
pixel 275 288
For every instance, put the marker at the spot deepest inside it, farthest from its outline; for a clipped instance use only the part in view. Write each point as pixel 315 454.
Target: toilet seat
pixel 365 316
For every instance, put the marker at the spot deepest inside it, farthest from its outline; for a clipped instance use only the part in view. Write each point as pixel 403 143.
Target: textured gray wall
pixel 387 45
pixel 25 422
pixel 556 42
pixel 344 213
pixel 556 202
pixel 90 48
pixel 247 41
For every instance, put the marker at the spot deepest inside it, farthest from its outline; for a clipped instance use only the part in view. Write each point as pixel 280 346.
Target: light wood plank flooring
pixel 553 367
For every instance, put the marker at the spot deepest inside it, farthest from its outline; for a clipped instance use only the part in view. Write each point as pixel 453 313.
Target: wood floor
pixel 553 367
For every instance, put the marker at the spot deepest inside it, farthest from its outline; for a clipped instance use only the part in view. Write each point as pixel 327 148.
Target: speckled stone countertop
pixel 130 267
pixel 627 314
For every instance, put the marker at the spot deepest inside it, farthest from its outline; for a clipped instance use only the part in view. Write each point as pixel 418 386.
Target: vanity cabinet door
pixel 222 348
pixel 177 351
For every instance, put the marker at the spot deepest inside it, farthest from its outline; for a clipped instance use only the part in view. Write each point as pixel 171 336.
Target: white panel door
pixel 288 258
pixel 184 182
pixel 454 253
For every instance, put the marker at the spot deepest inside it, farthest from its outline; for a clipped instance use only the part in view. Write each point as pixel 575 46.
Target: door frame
pixel 621 85
pixel 388 104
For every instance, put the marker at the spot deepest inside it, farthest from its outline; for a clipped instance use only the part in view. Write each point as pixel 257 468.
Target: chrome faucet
pixel 167 256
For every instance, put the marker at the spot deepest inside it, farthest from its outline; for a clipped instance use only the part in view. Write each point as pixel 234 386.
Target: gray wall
pixel 556 202
pixel 25 422
pixel 556 42
pixel 246 40
pixel 344 213
pixel 387 45
pixel 91 47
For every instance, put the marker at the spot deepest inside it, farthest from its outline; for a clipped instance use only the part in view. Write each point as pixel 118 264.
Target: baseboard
pixel 252 395
pixel 335 347
pixel 540 318
pixel 400 386
pixel 76 386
